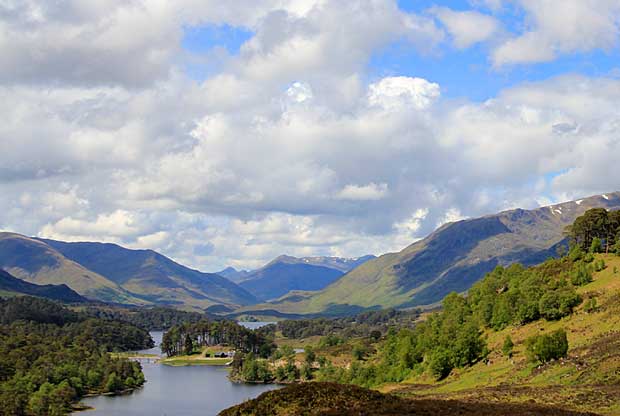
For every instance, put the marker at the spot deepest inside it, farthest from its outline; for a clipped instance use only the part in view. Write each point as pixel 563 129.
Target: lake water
pixel 178 391
pixel 255 325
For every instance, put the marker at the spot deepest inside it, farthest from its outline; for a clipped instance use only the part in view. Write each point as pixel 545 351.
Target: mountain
pixel 233 274
pixel 154 277
pixel 13 285
pixel 287 273
pixel 36 262
pixel 111 273
pixel 450 259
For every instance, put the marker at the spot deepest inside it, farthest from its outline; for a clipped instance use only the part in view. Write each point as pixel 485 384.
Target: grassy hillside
pixel 12 286
pixel 450 259
pixel 588 379
pixel 37 262
pixel 154 277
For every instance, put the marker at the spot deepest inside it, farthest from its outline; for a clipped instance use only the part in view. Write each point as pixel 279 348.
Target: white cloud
pixel 369 192
pixel 467 27
pixel 287 148
pixel 299 92
pixel 557 27
pixel 397 92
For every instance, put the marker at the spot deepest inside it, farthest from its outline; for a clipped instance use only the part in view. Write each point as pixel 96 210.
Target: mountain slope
pixel 233 274
pixel 452 258
pixel 287 273
pixel 153 276
pixel 13 285
pixel 36 262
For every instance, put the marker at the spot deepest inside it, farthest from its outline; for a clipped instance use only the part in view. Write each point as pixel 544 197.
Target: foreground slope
pixel 319 399
pixel 10 285
pixel 452 258
pixel 36 262
pixel 287 273
pixel 153 276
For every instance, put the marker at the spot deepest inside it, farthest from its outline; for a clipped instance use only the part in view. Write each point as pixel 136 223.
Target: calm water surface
pixel 182 391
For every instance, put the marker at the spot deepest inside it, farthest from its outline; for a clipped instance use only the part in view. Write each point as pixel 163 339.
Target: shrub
pixel 508 346
pixel 575 253
pixel 591 305
pixel 581 276
pixel 547 347
pixel 440 363
pixel 599 265
pixel 596 246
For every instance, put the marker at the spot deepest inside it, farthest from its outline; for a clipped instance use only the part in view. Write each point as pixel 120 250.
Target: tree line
pixel 152 319
pixel 360 325
pixel 596 226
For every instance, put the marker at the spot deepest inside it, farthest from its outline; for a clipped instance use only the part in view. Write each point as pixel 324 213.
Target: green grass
pixel 184 361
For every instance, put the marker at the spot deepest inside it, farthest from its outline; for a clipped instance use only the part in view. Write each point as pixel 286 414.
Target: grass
pixel 198 359
pixel 185 361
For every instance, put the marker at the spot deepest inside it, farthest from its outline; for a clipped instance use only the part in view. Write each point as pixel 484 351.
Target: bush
pixel 547 347
pixel 582 276
pixel 575 253
pixel 440 363
pixel 596 246
pixel 591 305
pixel 556 305
pixel 599 265
pixel 508 346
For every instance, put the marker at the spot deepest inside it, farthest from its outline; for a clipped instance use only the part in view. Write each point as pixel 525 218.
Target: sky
pixel 228 133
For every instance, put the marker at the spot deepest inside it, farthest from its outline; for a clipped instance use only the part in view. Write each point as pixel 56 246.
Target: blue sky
pixel 466 73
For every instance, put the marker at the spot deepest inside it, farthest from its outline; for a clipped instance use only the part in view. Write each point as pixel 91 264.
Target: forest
pixel 50 357
pixel 152 319
pixel 360 325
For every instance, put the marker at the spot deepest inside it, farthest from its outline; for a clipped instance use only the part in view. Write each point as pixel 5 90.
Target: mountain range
pixel 287 273
pixel 450 259
pixel 11 286
pixel 111 273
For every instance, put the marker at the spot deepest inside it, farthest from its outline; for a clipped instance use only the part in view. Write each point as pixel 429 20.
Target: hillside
pixel 152 276
pixel 287 273
pixel 10 286
pixel 450 259
pixel 587 379
pixel 36 262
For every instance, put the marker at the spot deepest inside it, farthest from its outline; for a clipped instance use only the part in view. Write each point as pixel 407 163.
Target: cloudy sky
pixel 227 133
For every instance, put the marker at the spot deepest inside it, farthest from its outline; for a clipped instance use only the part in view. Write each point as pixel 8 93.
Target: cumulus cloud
pixel 558 27
pixel 467 27
pixel 369 192
pixel 396 92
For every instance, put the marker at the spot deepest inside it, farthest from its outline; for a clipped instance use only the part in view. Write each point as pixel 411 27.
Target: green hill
pixel 11 286
pixel 36 262
pixel 154 277
pixel 587 379
pixel 450 259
